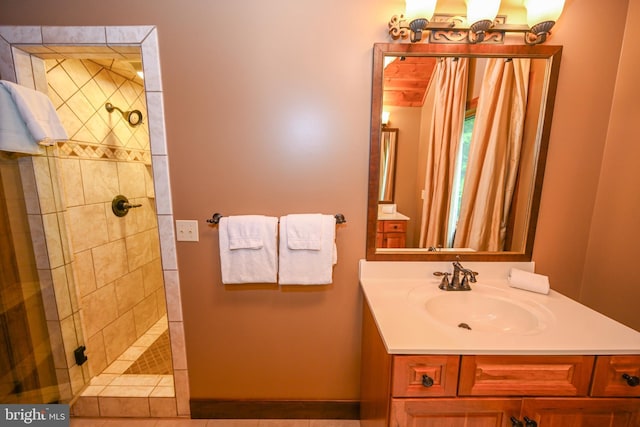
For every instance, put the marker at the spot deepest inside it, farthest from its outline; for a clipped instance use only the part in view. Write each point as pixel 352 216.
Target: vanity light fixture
pixel 482 24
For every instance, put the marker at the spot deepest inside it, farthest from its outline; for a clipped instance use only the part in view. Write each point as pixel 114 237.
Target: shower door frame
pixel 20 49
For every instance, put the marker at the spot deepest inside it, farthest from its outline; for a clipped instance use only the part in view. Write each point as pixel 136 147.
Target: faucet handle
pixel 444 283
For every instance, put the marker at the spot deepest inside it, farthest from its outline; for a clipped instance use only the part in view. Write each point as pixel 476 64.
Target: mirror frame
pixel 380 50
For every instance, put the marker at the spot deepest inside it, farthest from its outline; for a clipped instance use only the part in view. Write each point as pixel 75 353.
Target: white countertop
pixel 397 293
pixel 395 216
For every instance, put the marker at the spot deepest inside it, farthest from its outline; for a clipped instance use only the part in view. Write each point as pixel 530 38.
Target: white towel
pixel 305 266
pixel 528 281
pixel 14 135
pixel 248 249
pixel 304 231
pixel 38 113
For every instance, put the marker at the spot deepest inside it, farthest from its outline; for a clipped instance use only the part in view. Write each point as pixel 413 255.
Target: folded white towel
pixel 38 113
pixel 529 281
pixel 252 257
pixel 308 266
pixel 304 231
pixel 14 135
pixel 246 232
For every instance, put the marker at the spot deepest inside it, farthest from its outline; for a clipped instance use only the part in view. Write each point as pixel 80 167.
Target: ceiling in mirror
pixel 472 133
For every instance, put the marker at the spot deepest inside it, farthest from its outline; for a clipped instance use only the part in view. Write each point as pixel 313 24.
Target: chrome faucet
pixel 457 284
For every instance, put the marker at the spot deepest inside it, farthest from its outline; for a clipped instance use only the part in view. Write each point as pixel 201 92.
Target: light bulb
pixel 543 10
pixel 480 10
pixel 415 9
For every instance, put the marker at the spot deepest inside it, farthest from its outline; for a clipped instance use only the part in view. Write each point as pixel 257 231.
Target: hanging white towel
pixel 308 266
pixel 14 135
pixel 37 112
pixel 248 249
pixel 304 231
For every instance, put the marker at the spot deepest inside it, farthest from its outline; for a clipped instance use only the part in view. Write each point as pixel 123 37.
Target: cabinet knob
pixel 427 381
pixel 529 422
pixel 631 380
pixel 516 422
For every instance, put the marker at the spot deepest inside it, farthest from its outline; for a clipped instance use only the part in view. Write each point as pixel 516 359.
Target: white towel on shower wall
pixel 38 113
pixel 308 266
pixel 14 135
pixel 248 249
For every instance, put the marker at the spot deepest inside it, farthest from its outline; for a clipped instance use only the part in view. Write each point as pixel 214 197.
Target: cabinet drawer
pixel 420 376
pixel 395 226
pixel 525 375
pixel 616 376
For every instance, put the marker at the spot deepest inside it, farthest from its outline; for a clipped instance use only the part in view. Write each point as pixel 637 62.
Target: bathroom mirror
pixel 388 149
pixel 403 84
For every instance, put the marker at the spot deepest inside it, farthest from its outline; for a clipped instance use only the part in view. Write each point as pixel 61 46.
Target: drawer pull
pixel 529 422
pixel 516 422
pixel 427 381
pixel 631 380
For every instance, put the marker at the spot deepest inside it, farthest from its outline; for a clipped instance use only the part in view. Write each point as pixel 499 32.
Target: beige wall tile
pixel 182 391
pixel 139 249
pixel 146 314
pixel 98 309
pixel 152 276
pixel 88 227
pixel 129 290
pixel 131 177
pixel 52 237
pixel 84 274
pixel 44 184
pixel 172 290
pixel 119 335
pixel 61 288
pixel 120 227
pixel 110 262
pixel 178 348
pixel 100 180
pixel 86 406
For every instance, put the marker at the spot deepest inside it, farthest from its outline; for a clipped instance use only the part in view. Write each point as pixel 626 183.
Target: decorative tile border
pixel 73 149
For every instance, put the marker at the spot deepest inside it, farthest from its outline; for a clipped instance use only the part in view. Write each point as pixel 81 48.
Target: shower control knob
pixel 120 205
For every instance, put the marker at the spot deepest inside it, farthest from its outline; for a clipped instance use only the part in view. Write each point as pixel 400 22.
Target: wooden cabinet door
pixel 480 412
pixel 582 412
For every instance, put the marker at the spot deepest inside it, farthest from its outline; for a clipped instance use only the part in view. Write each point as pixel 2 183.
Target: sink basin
pixel 475 311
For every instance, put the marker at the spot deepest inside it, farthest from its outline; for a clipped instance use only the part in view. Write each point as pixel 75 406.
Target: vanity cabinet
pixel 493 391
pixel 391 234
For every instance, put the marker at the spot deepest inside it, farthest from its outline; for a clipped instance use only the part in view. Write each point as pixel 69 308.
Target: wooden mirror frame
pixel 380 50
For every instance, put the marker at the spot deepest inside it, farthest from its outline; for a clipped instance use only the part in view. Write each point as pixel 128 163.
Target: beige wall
pixel 273 118
pixel 610 283
pixel 116 259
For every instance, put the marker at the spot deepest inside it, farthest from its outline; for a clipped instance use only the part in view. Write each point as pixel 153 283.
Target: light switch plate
pixel 187 230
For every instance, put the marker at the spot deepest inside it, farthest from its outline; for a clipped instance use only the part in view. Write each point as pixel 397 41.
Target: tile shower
pixel 47 59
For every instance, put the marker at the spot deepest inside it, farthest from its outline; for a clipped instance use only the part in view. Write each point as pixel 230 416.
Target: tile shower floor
pixel 143 370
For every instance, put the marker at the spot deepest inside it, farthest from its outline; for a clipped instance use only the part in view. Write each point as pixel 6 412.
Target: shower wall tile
pixel 84 273
pixel 48 295
pixel 120 227
pixel 24 72
pixel 172 290
pixel 161 406
pixel 131 175
pixel 124 406
pixel 99 180
pixel 21 34
pixel 69 340
pixel 144 315
pixel 161 302
pixel 178 345
pixel 167 242
pixel 97 354
pixel 162 188
pixel 127 35
pixel 129 290
pixel 140 249
pixel 74 35
pixel 44 184
pixel 39 243
pixel 39 74
pixel 72 179
pixel 119 335
pixel 152 278
pixel 98 305
pixel 7 70
pixel 89 226
pixel 52 238
pixel 59 277
pixel 110 262
pixel 61 83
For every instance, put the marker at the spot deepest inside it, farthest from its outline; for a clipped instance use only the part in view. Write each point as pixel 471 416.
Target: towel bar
pixel 215 218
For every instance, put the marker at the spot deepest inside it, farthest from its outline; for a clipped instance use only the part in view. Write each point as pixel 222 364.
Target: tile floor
pixel 180 422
